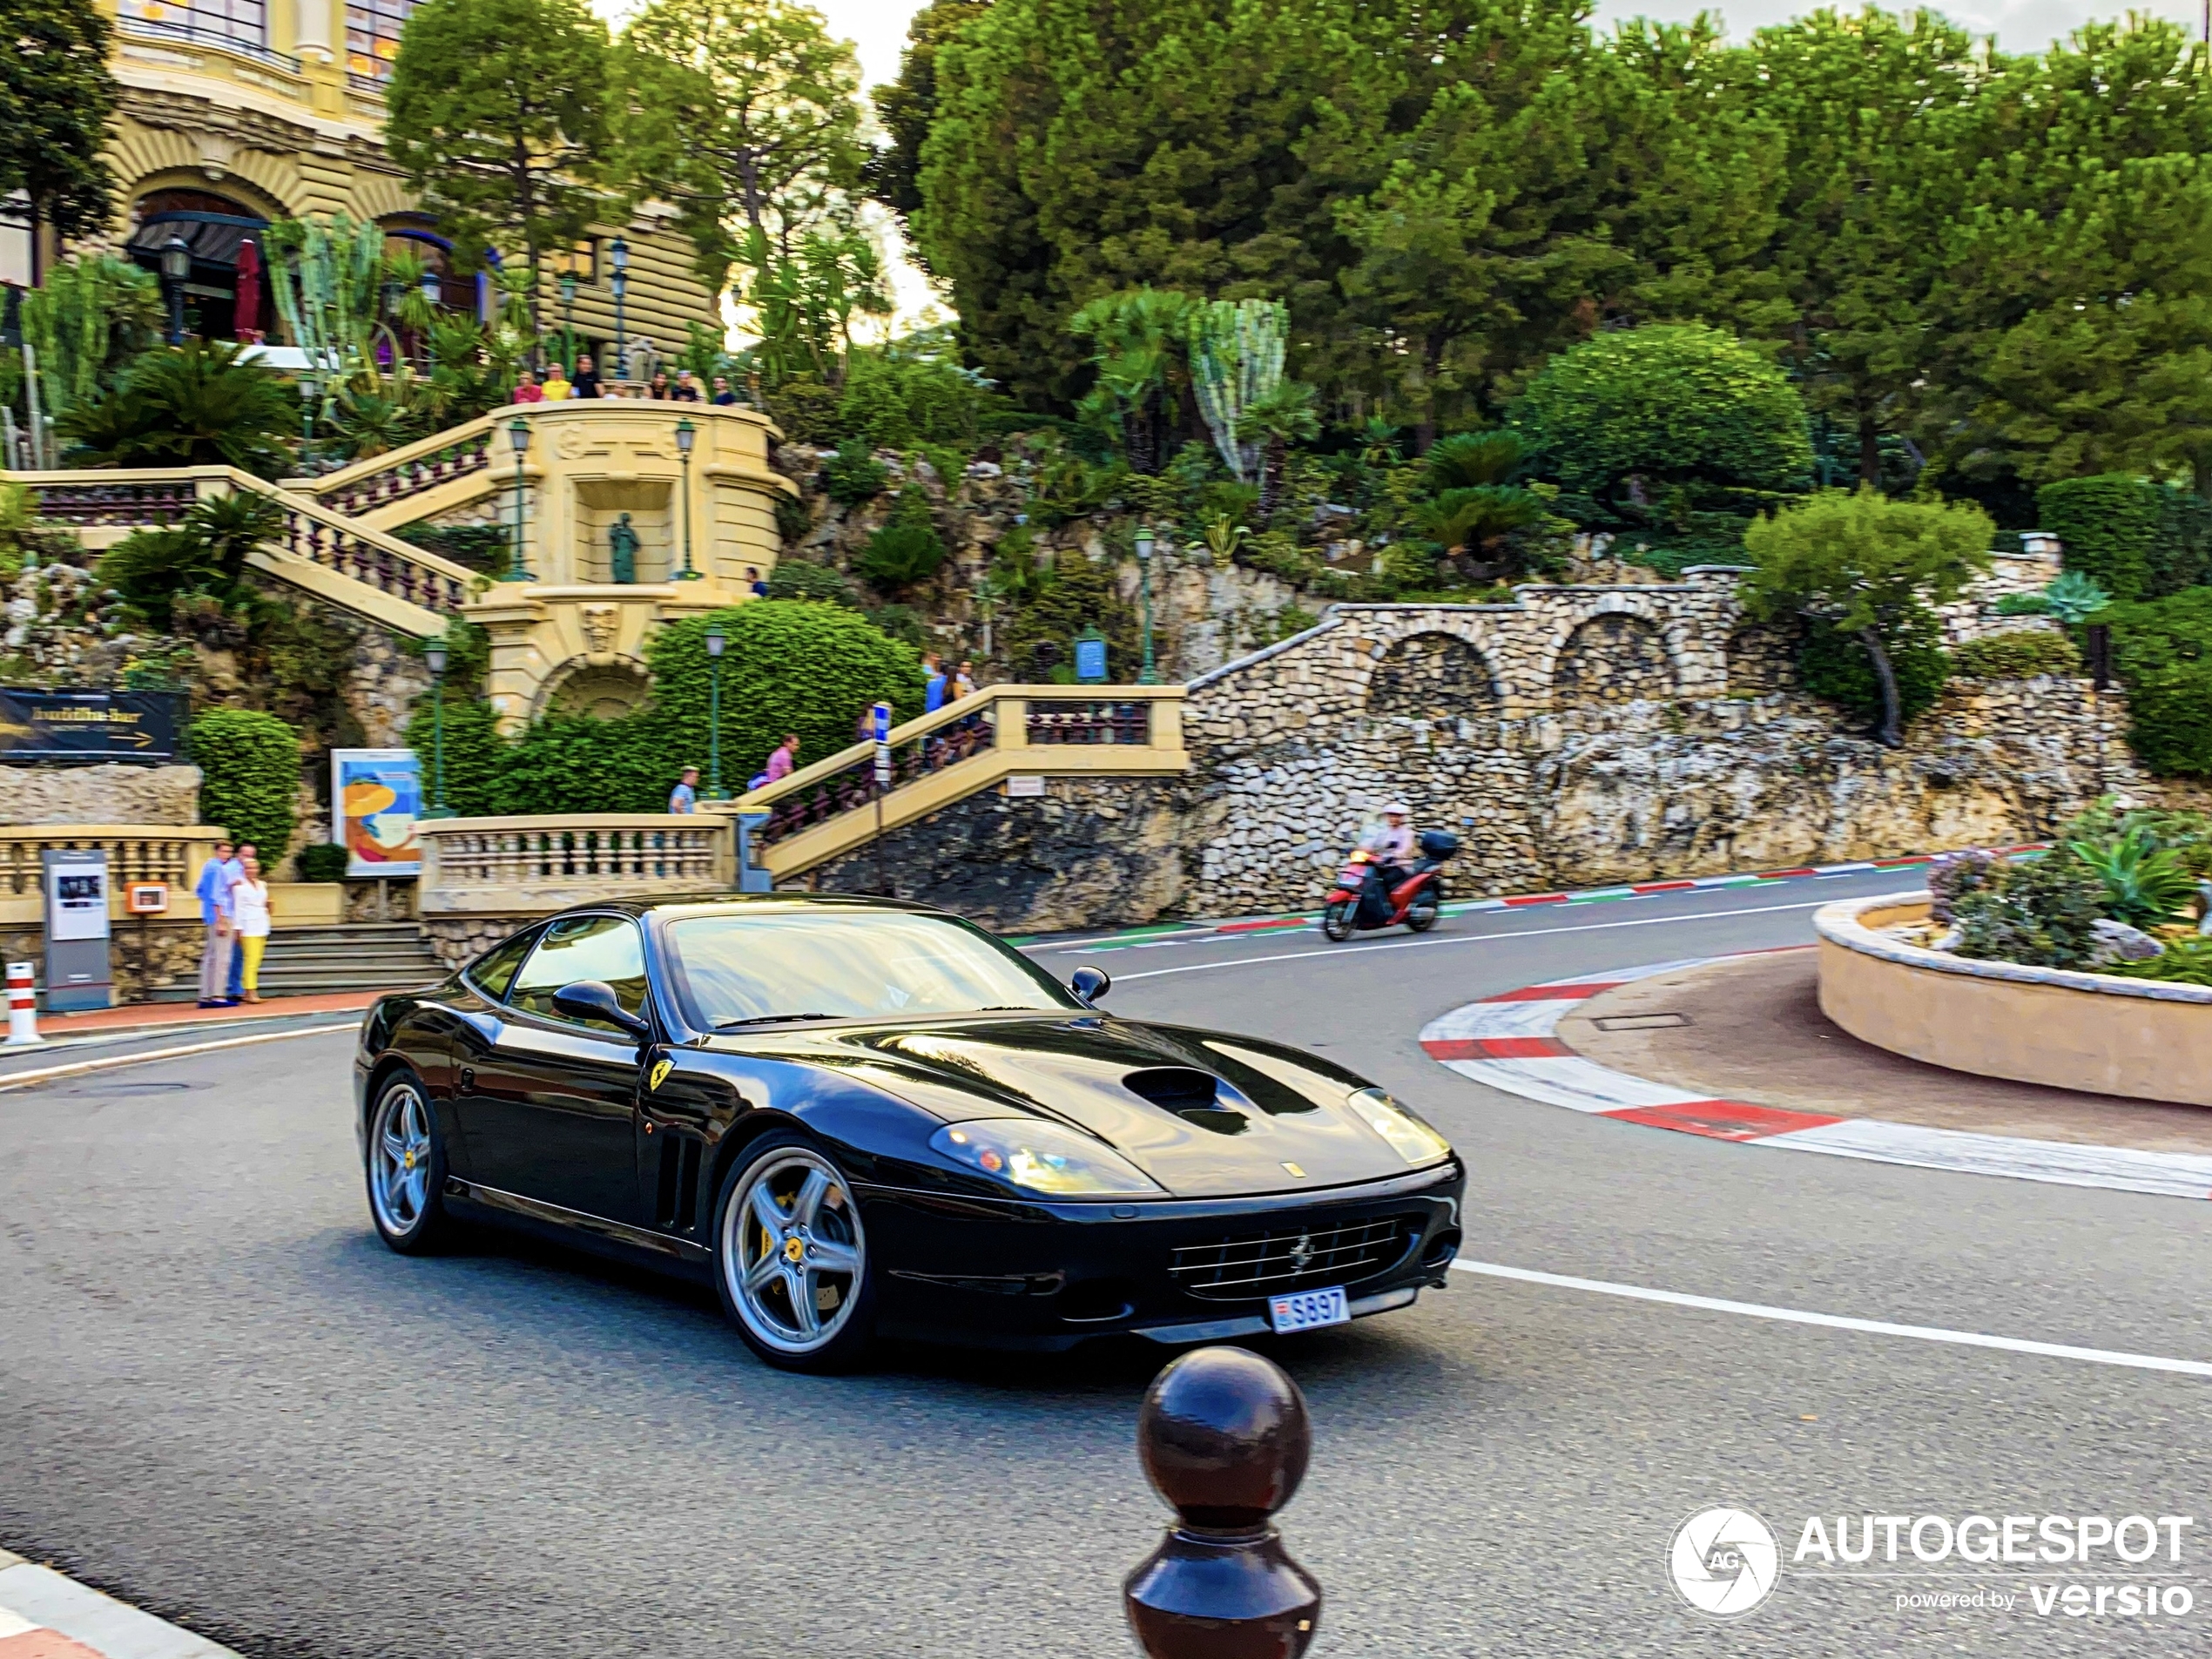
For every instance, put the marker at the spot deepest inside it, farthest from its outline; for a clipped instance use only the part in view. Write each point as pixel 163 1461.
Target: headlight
pixel 1044 1157
pixel 1409 1138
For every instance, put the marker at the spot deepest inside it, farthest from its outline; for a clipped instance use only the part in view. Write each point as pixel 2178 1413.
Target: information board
pixel 140 727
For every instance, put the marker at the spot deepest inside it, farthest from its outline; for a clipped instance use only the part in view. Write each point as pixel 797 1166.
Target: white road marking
pixel 1469 939
pixel 49 1074
pixel 1839 1322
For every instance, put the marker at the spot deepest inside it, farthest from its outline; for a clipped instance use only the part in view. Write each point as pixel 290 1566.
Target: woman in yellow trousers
pixel 250 906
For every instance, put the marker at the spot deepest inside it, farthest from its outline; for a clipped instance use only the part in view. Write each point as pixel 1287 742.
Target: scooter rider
pixel 1392 843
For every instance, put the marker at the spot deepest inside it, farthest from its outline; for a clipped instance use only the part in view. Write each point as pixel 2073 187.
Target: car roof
pixel 709 903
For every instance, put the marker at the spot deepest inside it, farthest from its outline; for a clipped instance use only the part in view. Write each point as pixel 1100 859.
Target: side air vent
pixel 1189 1094
pixel 677 1202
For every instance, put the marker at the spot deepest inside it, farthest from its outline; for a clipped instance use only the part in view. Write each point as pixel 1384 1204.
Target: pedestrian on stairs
pixel 214 892
pixel 250 912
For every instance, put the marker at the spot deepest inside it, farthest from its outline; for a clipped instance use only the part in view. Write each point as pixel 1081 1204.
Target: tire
pixel 407 1168
pixel 1336 919
pixel 774 1296
pixel 1421 914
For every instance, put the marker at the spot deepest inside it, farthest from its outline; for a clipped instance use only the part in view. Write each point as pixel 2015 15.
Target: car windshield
pixel 848 964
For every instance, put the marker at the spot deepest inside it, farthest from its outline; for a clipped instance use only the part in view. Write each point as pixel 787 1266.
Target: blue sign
pixel 1090 659
pixel 881 715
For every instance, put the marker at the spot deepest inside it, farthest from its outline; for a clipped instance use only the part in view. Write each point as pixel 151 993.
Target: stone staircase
pixel 316 961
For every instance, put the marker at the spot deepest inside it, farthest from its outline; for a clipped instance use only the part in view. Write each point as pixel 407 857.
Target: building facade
pixel 236 113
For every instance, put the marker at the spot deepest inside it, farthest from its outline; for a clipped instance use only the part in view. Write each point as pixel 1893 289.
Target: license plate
pixel 1308 1310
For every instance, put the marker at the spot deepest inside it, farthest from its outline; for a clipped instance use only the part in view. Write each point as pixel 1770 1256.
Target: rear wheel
pixel 1421 914
pixel 791 1260
pixel 1336 919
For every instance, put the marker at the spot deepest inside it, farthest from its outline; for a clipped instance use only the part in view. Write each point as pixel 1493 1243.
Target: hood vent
pixel 1188 1093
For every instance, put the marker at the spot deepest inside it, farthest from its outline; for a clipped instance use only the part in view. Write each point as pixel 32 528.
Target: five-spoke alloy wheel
pixel 407 1167
pixel 792 1256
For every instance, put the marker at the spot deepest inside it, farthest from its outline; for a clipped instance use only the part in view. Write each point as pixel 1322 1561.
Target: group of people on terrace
pixel 558 385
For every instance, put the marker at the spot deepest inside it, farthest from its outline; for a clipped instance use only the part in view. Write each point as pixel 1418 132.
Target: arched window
pixel 215 229
pixel 1431 676
pixel 1612 658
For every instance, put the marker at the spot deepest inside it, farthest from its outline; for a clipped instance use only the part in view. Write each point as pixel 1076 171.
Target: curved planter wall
pixel 2095 1032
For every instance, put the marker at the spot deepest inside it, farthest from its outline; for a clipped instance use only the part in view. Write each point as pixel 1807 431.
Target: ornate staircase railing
pixel 367 485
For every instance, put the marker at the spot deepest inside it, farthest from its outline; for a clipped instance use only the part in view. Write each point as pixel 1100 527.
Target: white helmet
pixel 1398 808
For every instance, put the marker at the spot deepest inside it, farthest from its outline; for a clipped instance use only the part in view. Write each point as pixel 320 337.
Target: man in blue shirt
pixel 214 892
pixel 933 690
pixel 685 798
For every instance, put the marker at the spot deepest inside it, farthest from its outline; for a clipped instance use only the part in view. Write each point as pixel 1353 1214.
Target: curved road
pixel 221 1398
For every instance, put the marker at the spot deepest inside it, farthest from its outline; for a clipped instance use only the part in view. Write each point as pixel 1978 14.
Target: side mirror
pixel 592 999
pixel 1089 984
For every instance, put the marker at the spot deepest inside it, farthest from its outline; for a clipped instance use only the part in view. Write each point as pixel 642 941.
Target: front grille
pixel 1291 1259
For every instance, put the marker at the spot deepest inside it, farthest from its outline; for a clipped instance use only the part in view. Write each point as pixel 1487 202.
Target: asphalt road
pixel 221 1398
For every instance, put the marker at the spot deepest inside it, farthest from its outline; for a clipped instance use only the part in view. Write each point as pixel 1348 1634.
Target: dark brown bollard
pixel 1224 1439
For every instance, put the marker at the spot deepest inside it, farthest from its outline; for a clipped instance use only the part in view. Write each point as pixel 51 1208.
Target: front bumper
pixel 1005 1274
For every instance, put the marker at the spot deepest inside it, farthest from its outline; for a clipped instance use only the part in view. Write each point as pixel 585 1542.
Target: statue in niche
pixel 622 550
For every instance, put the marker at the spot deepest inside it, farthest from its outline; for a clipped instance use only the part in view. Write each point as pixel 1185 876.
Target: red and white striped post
pixel 22 1007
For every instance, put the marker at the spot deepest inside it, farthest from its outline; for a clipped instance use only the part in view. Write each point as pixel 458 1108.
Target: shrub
pixel 2107 526
pixel 792 520
pixel 2021 655
pixel 2184 962
pixel 326 861
pixel 475 755
pixel 805 410
pixel 907 550
pixel 480 547
pixel 2145 885
pixel 804 579
pixel 1952 876
pixel 1669 404
pixel 194 405
pixel 203 554
pixel 896 400
pixel 249 766
pixel 2041 914
pixel 1834 665
pixel 2162 654
pixel 575 764
pixel 853 474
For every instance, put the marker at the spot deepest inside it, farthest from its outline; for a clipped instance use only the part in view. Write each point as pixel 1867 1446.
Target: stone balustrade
pixel 163 853
pixel 525 866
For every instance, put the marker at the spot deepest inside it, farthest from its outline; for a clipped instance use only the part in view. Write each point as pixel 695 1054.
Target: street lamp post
pixel 1144 568
pixel 568 323
pixel 686 435
pixel 715 641
pixel 618 256
pixel 175 271
pixel 435 656
pixel 519 436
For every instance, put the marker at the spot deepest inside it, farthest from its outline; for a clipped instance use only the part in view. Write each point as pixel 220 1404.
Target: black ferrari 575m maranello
pixel 860 1117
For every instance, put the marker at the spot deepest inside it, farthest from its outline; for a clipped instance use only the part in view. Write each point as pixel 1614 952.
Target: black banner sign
pixel 90 725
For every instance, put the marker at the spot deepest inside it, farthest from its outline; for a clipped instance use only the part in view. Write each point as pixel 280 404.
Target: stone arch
pixel 1431 676
pixel 1614 656
pixel 604 691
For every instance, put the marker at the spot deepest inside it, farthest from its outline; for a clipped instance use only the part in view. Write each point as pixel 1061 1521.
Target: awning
pixel 213 237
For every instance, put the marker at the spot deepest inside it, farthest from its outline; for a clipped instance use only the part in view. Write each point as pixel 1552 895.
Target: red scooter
pixel 1360 901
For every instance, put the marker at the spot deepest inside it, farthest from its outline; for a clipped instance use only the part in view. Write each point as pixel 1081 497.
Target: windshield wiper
pixel 773 1019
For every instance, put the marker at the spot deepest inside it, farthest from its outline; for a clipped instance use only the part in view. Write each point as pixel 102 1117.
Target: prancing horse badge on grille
pixel 1302 1252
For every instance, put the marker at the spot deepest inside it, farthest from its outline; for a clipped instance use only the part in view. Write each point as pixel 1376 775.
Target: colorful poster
pixel 376 797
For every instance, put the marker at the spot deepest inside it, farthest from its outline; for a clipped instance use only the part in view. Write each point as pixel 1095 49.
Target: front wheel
pixel 406 1169
pixel 1336 919
pixel 792 1261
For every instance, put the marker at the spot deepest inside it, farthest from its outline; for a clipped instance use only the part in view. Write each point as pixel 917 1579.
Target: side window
pixel 601 947
pixel 494 971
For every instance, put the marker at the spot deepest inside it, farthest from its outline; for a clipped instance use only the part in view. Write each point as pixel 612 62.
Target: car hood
pixel 1203 1113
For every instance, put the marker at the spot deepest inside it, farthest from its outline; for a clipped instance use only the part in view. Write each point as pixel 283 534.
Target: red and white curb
pixel 44 1615
pixel 1507 1042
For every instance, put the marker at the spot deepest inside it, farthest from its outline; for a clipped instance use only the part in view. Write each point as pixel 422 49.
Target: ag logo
pixel 1724 1561
pixel 659 1075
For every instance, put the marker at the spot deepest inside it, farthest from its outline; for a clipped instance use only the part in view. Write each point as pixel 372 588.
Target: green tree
pixel 1137 340
pixel 497 113
pixel 1668 404
pixel 57 97
pixel 1867 568
pixel 907 105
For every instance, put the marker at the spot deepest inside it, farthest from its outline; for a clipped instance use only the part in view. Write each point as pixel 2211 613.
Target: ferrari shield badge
pixel 659 1073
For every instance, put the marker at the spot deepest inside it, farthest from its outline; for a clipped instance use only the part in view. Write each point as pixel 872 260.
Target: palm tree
pixel 1136 334
pixel 195 405
pixel 1277 420
pixel 1476 502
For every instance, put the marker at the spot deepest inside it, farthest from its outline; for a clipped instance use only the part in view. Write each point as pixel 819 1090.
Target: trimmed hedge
pixel 2020 655
pixel 249 766
pixel 2137 539
pixel 325 861
pixel 2163 653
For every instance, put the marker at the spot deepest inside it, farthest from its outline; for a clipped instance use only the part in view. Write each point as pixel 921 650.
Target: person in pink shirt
pixel 526 389
pixel 786 757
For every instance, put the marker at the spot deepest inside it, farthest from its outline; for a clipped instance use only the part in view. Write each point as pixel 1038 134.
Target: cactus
pixel 1236 361
pixel 328 275
pixel 92 316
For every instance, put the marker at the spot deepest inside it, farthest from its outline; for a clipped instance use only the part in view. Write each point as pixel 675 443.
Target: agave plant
pixel 2071 597
pixel 2145 885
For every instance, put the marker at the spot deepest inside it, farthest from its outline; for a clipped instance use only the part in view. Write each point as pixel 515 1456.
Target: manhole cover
pixel 130 1089
pixel 1639 1021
